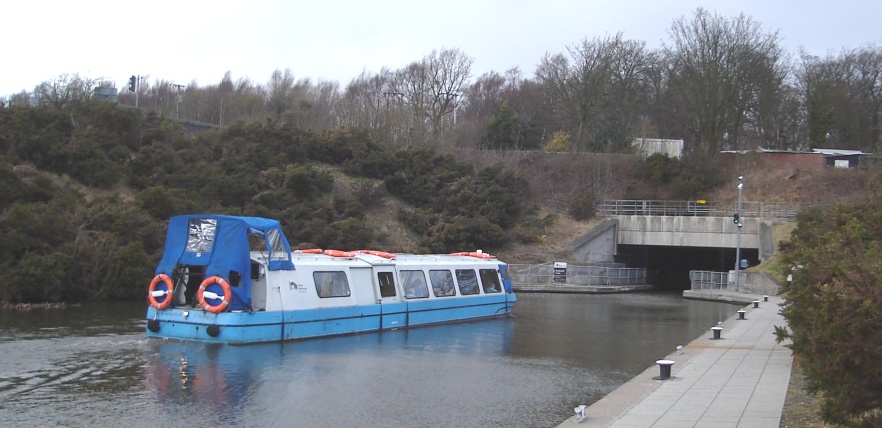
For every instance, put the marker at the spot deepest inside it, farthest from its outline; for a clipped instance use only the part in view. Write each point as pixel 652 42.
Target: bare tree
pixel 315 105
pixel 372 102
pixel 597 89
pixel 65 88
pixel 280 91
pixel 843 98
pixel 429 89
pixel 718 65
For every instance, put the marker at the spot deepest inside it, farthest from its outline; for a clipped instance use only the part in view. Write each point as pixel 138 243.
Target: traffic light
pixel 737 219
pixel 133 83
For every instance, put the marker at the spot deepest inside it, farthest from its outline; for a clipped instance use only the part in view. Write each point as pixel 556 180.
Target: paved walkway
pixel 739 380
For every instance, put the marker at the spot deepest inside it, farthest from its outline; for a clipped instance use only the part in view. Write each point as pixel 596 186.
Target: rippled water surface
pixel 93 366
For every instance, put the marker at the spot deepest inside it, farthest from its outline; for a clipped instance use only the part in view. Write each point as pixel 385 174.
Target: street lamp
pixel 738 223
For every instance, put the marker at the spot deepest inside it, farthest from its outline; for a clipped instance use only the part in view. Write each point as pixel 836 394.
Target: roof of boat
pixel 399 259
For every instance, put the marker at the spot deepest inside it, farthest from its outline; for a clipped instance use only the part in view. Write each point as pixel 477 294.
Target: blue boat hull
pixel 241 327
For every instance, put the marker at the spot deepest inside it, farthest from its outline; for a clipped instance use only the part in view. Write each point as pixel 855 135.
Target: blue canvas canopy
pixel 221 244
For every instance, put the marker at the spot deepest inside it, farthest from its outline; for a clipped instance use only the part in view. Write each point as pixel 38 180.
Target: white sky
pixel 182 41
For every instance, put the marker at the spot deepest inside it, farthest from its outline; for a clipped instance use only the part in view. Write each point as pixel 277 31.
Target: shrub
pixel 834 308
pixel 466 234
pixel 560 142
pixel 582 207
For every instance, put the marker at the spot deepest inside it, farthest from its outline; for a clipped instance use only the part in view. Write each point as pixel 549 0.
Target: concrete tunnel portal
pixel 667 267
pixel 669 247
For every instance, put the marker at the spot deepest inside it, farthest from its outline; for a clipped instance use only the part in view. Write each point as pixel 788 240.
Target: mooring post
pixel 664 369
pixel 756 303
pixel 741 313
pixel 717 331
pixel 765 298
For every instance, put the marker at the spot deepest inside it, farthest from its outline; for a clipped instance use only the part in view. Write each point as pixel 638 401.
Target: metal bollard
pixel 765 298
pixel 717 331
pixel 664 369
pixel 741 313
pixel 756 303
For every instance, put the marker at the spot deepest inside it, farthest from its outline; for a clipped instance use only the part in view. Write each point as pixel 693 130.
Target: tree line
pixel 718 83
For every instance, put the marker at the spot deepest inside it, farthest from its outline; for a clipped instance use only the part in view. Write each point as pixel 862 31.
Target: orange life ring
pixel 169 291
pixel 474 254
pixel 382 254
pixel 481 255
pixel 338 253
pixel 309 251
pixel 225 301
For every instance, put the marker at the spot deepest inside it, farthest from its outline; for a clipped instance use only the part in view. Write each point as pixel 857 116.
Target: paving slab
pixel 739 381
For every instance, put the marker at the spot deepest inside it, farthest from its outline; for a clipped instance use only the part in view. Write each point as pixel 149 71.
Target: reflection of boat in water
pixel 264 384
pixel 211 286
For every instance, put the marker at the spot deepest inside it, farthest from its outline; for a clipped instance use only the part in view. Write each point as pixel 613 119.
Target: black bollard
pixel 756 303
pixel 741 314
pixel 664 369
pixel 717 331
pixel 765 298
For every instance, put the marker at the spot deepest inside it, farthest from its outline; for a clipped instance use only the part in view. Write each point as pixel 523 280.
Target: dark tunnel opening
pixel 667 268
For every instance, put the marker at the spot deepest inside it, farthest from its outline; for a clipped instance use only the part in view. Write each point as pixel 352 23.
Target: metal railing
pixel 576 275
pixel 709 280
pixel 779 211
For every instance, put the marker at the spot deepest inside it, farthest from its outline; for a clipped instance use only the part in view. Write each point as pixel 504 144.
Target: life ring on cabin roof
pixel 225 299
pixel 338 253
pixel 309 251
pixel 382 254
pixel 475 254
pixel 153 293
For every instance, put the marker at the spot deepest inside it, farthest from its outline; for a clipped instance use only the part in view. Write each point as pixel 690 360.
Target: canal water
pixel 93 366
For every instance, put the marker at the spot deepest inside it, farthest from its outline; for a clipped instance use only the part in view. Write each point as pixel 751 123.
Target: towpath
pixel 739 380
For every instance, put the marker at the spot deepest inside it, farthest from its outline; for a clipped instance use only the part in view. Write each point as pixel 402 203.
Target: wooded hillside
pixel 85 193
pixel 87 190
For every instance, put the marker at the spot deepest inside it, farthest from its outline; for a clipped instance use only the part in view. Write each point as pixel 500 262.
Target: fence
pixel 776 211
pixel 576 275
pixel 748 282
pixel 708 280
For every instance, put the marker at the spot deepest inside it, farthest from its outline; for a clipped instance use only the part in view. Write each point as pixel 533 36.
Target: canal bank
pixel 737 380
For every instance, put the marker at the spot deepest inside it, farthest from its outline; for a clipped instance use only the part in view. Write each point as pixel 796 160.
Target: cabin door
pixel 385 285
pixel 393 308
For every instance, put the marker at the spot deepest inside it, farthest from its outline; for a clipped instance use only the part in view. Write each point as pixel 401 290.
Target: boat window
pixel 442 283
pixel 387 284
pixel 414 284
pixel 490 281
pixel 235 279
pixel 200 235
pixel 331 284
pixel 257 271
pixel 467 280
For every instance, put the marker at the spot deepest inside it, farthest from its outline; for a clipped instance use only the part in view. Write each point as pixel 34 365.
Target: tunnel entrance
pixel 667 268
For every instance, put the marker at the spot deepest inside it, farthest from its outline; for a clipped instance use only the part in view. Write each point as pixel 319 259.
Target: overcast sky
pixel 182 41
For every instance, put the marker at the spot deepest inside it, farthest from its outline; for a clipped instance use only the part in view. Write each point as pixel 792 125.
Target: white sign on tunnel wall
pixel 560 272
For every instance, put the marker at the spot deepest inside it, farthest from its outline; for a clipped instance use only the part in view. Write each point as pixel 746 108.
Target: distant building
pixel 651 146
pixel 798 159
pixel 817 158
pixel 841 158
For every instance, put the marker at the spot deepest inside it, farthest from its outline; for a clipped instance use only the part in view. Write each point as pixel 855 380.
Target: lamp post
pixel 738 239
pixel 178 98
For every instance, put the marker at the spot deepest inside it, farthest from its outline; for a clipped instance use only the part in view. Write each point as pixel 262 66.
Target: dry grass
pixel 801 408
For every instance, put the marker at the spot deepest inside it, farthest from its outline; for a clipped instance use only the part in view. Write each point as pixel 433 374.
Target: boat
pixel 234 279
